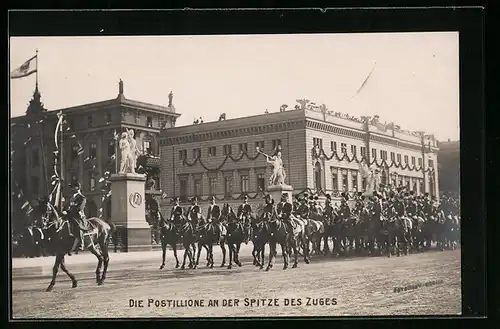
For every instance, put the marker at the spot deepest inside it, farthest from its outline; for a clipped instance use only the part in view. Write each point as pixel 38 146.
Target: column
pixel 190 185
pixel 349 180
pixel 340 188
pixel 360 182
pixel 220 184
pixel 236 182
pixel 204 185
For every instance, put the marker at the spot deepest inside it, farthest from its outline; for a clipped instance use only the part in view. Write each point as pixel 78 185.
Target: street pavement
pixel 418 284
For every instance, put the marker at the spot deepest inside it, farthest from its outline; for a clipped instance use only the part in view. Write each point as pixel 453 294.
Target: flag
pixel 24 70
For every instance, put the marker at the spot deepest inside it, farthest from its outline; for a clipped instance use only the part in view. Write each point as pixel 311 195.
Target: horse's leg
pixel 163 252
pixel 237 255
pixel 231 248
pixel 105 255
pixel 55 268
pixel 272 250
pixel 174 249
pixel 261 255
pixel 295 248
pixel 284 253
pixel 192 255
pixel 100 260
pixel 222 246
pixel 186 251
pixel 65 270
pixel 198 253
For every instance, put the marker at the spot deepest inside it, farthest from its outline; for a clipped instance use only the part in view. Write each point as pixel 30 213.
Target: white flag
pixel 28 68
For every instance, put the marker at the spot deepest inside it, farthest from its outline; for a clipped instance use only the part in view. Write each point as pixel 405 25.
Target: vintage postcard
pixel 235 175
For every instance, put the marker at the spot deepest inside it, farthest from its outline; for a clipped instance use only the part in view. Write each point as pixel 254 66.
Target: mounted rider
pixel 359 205
pixel 344 210
pixel 177 210
pixel 214 215
pixel 284 211
pixel 303 209
pixel 317 206
pixel 245 214
pixel 194 210
pixel 268 208
pixel 376 210
pixel 77 204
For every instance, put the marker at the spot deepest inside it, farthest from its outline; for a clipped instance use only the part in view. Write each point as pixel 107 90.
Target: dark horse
pixel 287 238
pixel 168 236
pixel 237 233
pixel 208 234
pixel 60 241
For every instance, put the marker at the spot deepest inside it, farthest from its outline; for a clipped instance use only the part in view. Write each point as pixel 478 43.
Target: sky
pixel 414 83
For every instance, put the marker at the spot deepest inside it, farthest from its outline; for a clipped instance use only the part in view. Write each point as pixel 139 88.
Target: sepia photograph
pixel 257 175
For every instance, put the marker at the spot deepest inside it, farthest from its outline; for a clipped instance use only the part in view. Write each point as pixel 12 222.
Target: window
pixel 183 189
pixel 227 149
pixel 276 143
pixel 228 186
pixel 413 161
pixel 111 147
pixel 149 121
pixel 137 116
pixel 318 141
pixel 146 146
pixel 353 149
pixel 393 157
pixel 109 118
pixel 374 153
pixel 383 155
pixel 91 181
pixel 89 121
pixel 212 151
pixel 35 184
pixel 243 147
pixel 259 144
pixel 406 159
pixel 261 182
pixel 74 151
pixel 93 150
pixel 431 163
pixel 335 182
pixel 197 187
pixel 343 148
pixel 196 153
pixel 35 159
pixel 244 183
pixel 420 162
pixel 354 179
pixel 362 150
pixel 212 186
pixel 344 181
pixel 333 146
pixel 414 187
pixel 398 157
pixel 182 155
pixel 421 186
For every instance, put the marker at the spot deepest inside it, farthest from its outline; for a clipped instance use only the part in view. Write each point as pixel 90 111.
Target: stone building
pixel 320 152
pixel 88 143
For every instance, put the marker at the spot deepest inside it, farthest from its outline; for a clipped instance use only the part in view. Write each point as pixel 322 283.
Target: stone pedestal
pixel 276 191
pixel 128 211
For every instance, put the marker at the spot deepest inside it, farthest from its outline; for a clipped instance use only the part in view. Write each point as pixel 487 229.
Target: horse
pixel 314 231
pixel 287 237
pixel 186 231
pixel 418 232
pixel 60 241
pixel 208 234
pixel 399 230
pixel 168 236
pixel 237 233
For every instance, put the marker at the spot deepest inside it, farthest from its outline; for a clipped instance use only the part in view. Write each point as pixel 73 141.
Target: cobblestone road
pixel 360 286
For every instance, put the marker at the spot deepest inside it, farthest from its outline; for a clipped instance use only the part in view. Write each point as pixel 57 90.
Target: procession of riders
pixel 387 222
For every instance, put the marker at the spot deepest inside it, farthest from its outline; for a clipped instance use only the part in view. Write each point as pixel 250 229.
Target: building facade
pixel 320 153
pixel 449 167
pixel 88 147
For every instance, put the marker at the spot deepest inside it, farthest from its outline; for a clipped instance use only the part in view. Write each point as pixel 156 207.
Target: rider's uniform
pixel 176 212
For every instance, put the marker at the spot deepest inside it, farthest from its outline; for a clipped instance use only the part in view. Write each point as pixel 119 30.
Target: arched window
pixel 317 176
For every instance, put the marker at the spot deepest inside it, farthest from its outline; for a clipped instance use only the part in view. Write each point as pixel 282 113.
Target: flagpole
pixel 36 85
pixel 61 161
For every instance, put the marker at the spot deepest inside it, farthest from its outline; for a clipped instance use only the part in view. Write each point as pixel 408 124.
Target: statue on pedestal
pixel 170 98
pixel 278 176
pixel 129 153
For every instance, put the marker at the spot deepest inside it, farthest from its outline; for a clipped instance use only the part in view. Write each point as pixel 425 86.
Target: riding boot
pixel 75 245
